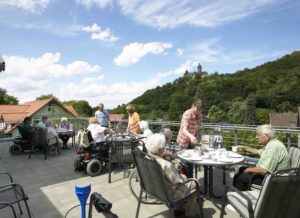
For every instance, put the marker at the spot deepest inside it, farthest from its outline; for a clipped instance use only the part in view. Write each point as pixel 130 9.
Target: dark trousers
pixel 188 167
pixel 242 180
pixel 64 137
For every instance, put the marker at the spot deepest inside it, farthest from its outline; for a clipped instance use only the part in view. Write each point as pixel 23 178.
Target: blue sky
pixel 112 51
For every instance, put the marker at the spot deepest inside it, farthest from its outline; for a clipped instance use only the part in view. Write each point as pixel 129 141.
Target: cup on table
pixel 234 149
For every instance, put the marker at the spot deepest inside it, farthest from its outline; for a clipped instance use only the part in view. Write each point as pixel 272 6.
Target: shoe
pixel 179 213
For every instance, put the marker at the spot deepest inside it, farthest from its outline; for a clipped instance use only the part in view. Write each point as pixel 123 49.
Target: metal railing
pixel 233 134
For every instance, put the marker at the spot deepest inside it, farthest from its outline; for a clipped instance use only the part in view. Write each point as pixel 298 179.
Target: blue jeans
pixel 188 167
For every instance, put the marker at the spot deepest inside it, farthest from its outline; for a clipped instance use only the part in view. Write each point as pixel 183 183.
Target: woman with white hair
pixel 64 133
pixel 145 129
pixel 156 147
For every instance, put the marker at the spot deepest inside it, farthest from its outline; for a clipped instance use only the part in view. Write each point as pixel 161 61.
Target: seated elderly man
pixel 156 147
pixel 273 156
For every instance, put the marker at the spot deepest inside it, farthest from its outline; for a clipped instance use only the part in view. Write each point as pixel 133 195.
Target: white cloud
pixel 133 52
pixel 46 66
pixel 211 51
pixel 179 52
pixel 32 6
pixel 100 34
pixel 98 3
pixel 27 78
pixel 206 13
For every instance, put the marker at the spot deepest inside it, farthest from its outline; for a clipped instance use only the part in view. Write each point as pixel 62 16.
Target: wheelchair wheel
pixel 94 167
pixel 15 149
pixel 77 165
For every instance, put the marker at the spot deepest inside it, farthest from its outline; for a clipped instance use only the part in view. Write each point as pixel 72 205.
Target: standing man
pixel 190 122
pixel 273 156
pixel 103 116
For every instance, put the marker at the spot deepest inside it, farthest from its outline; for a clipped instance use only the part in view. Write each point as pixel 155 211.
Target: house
pixel 10 115
pixel 116 117
pixel 288 119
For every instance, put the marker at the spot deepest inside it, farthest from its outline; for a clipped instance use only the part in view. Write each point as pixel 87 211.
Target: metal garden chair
pixel 155 183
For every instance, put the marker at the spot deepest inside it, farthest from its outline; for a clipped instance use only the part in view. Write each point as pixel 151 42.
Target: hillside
pixel 273 86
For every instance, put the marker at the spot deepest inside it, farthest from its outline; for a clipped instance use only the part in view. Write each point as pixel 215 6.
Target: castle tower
pixel 199 68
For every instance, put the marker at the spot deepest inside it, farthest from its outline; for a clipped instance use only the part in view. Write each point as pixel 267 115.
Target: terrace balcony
pixel 50 185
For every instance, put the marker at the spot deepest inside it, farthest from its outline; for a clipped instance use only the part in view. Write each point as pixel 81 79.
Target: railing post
pixel 235 137
pixel 288 137
pixel 298 140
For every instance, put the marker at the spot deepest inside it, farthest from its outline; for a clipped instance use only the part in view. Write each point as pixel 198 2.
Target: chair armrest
pixel 234 189
pixel 14 185
pixel 8 174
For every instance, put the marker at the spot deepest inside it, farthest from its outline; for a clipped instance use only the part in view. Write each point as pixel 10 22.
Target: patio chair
pixel 11 193
pixel 278 197
pixel 294 154
pixel 41 142
pixel 154 182
pixel 120 152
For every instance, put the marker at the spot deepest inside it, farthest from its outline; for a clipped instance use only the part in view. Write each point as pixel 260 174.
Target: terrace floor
pixel 50 185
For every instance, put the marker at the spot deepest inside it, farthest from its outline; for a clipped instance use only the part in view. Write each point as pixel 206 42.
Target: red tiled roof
pixel 288 119
pixel 114 117
pixel 71 110
pixel 35 106
pixel 16 113
pixel 13 117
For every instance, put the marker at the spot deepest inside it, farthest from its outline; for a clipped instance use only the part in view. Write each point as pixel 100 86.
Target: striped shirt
pixel 192 121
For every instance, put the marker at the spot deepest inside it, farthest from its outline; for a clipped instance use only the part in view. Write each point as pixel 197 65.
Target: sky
pixel 112 51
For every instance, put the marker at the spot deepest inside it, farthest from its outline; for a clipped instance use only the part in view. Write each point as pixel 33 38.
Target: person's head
pixel 93 120
pixel 130 109
pixel 101 106
pixel 144 125
pixel 155 144
pixel 44 119
pixel 48 122
pixel 27 120
pixel 64 120
pixel 168 134
pixel 197 106
pixel 264 134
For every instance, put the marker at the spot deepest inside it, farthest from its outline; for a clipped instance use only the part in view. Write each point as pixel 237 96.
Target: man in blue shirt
pixel 102 116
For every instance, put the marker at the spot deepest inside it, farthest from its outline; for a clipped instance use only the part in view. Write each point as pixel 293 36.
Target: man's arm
pixel 248 149
pixel 256 170
pixel 189 135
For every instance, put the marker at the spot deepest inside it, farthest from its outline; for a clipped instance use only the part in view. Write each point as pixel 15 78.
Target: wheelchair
pixel 23 143
pixel 94 158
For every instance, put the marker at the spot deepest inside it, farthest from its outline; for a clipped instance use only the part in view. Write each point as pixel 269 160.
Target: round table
pixel 211 158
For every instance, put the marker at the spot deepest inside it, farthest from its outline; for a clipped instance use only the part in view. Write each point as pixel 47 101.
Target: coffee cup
pixel 234 148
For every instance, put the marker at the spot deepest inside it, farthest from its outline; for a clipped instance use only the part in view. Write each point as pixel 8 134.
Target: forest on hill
pixel 244 97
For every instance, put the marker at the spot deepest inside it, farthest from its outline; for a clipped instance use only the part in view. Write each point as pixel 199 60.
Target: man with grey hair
pixel 103 116
pixel 273 157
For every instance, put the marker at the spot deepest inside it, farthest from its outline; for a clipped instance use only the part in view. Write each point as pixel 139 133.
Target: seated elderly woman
pixel 156 147
pixel 64 131
pixel 145 129
pixel 98 132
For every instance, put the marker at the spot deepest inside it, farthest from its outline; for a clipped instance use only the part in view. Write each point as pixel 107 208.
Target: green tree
pixel 216 115
pixel 82 107
pixel 7 99
pixel 236 113
pixel 42 97
pixel 262 116
pixel 250 114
